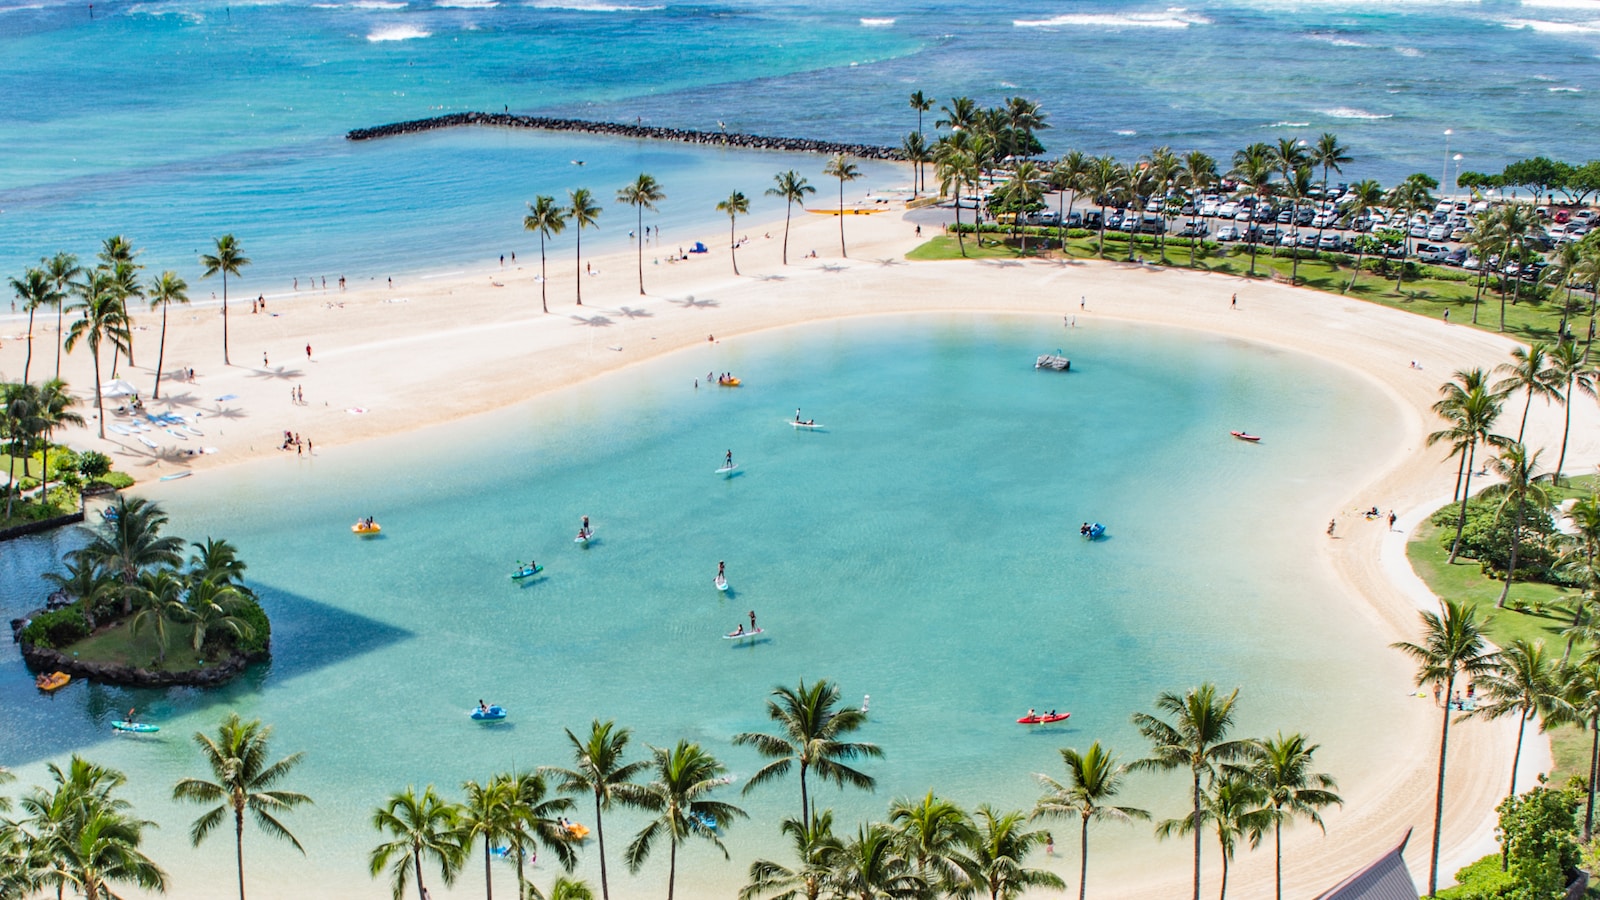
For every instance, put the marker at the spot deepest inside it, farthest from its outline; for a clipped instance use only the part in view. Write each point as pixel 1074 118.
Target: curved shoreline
pixel 459 347
pixel 621 130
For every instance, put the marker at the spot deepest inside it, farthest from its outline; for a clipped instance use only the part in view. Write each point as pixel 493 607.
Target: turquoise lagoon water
pixel 922 549
pixel 176 120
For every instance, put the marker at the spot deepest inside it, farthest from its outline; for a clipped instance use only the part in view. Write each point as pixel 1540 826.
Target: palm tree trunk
pixel 544 281
pixel 1525 410
pixel 639 230
pixel 225 360
pixel 1466 492
pixel 522 881
pixel 488 874
pixel 600 835
pixel 422 892
pixel 161 353
pixel 1566 428
pixel 1511 570
pixel 238 845
pixel 1438 795
pixel 841 236
pixel 788 210
pixel 1083 861
pixel 1516 756
pixel 1223 893
pixel 59 335
pixel 28 361
pixel 1461 469
pixel 672 866
pixel 1196 822
pixel 99 404
pixel 44 475
pixel 960 241
pixel 1352 285
pixel 1594 763
pixel 1277 855
pixel 579 264
pixel 805 801
pixel 733 248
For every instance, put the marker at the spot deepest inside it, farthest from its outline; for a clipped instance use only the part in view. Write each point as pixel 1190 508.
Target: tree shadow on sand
pixel 278 373
pixel 833 267
pixel 690 302
pixel 889 261
pixel 1001 263
pixel 596 321
pixel 634 313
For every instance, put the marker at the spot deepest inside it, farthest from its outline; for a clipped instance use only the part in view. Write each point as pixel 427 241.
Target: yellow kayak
pixel 364 528
pixel 578 832
pixel 52 682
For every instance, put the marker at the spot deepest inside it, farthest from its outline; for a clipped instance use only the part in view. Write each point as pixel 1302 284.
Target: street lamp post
pixel 1455 183
pixel 1444 174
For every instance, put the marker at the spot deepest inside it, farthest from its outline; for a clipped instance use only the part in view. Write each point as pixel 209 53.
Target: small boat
pixel 55 681
pixel 492 714
pixel 526 572
pixel 741 634
pixel 806 424
pixel 726 470
pixel 175 475
pixel 583 537
pixel 576 831
pixel 720 582
pixel 1246 436
pixel 1094 531
pixel 364 528
pixel 135 727
pixel 728 382
pixel 1044 718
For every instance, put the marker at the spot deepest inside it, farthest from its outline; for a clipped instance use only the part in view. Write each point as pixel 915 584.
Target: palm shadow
pixel 228 413
pixel 890 261
pixel 634 313
pixel 690 302
pixel 595 321
pixel 833 267
pixel 278 373
pixel 772 277
pixel 1001 263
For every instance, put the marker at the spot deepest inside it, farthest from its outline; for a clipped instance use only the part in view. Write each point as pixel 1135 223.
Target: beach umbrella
pixel 118 388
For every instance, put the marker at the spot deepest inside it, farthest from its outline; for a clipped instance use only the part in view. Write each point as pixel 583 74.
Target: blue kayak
pixel 492 714
pixel 526 572
pixel 1095 531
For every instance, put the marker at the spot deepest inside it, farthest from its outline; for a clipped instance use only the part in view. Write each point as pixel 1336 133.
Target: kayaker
pixel 131 720
pixel 481 708
pixel 1032 714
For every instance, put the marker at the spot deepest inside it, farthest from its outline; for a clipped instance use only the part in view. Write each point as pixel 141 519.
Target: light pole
pixel 1455 183
pixel 1444 173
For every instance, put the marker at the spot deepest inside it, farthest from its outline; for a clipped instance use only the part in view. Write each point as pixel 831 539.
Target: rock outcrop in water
pixel 615 129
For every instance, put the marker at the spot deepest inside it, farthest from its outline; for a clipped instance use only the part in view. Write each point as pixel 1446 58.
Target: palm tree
pixel 218 561
pixel 736 205
pixel 213 606
pixel 488 814
pixel 164 291
pixel 811 723
pixel 817 850
pixel 600 771
pixel 537 820
pixel 1565 270
pixel 62 268
pixel 125 286
pixel 960 114
pixel 1530 370
pixel 1364 196
pixel 915 150
pixel 104 322
pixel 1519 488
pixel 932 832
pixel 1024 190
pixel 1405 198
pixel 1453 645
pixel 1281 767
pixel 1198 175
pixel 792 188
pixel 563 889
pixel 684 778
pixel 1233 807
pixel 103 849
pixel 1066 177
pixel 158 601
pixel 1253 166
pixel 228 259
pixel 35 289
pixel 1297 187
pixel 1102 179
pixel 1196 737
pixel 132 541
pixel 644 193
pixel 1580 696
pixel 841 168
pixel 1093 777
pixel 955 166
pixel 1327 153
pixel 52 410
pixel 1522 683
pixel 870 867
pixel 422 829
pixel 1569 368
pixel 237 757
pixel 548 219
pixel 999 850
pixel 921 104
pixel 1453 395
pixel 583 212
pixel 1510 224
pixel 1471 417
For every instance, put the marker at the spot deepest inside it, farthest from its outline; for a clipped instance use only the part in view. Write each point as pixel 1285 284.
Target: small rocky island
pixel 131 610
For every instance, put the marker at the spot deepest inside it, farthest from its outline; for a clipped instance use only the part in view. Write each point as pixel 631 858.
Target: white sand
pixel 461 345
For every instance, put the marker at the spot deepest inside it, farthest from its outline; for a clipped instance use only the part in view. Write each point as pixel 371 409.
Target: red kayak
pixel 1246 436
pixel 1044 718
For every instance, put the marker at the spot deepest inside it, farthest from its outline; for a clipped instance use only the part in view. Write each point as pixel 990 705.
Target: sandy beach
pixel 385 360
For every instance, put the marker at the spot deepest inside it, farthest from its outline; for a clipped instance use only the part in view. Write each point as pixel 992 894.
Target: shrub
pixel 117 481
pixel 93 464
pixel 1487 537
pixel 1482 880
pixel 251 613
pixel 56 629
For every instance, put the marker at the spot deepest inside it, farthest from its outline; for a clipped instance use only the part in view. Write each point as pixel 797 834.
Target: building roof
pixel 1387 878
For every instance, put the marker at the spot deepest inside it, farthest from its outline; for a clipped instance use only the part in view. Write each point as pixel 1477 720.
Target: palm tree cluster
pixel 29 417
pixel 132 572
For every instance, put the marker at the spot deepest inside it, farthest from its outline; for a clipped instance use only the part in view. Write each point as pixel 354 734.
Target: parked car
pixel 1093 220
pixel 1438 232
pixel 1418 231
pixel 1228 210
pixel 1192 229
pixel 1330 242
pixel 1308 239
pixel 1457 256
pixel 1229 233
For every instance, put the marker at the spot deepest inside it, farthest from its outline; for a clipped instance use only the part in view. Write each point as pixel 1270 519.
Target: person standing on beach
pixel 264 362
pixel 1391 520
pixel 1235 304
pixel 308 353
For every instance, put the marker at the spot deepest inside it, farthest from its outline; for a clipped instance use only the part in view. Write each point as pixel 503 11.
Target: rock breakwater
pixel 617 129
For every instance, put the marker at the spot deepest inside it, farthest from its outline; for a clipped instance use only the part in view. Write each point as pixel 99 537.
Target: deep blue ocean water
pixel 176 120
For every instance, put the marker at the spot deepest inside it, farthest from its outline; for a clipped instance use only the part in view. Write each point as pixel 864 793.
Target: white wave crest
pixel 1125 132
pixel 877 23
pixel 378 4
pixel 1346 112
pixel 467 4
pixel 1172 18
pixel 1587 5
pixel 6 9
pixel 585 6
pixel 397 33
pixel 1288 125
pixel 1541 25
pixel 1565 90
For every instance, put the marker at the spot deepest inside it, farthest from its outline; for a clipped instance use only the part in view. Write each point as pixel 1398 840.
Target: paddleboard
pixel 806 424
pixel 726 469
pixel 755 632
pixel 721 583
pixel 583 538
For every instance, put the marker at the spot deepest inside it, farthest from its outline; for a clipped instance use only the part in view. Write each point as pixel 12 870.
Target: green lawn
pixel 1427 296
pixel 117 644
pixel 1463 580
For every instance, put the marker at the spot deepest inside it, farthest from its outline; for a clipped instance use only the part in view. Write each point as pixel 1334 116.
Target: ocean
pixel 173 121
